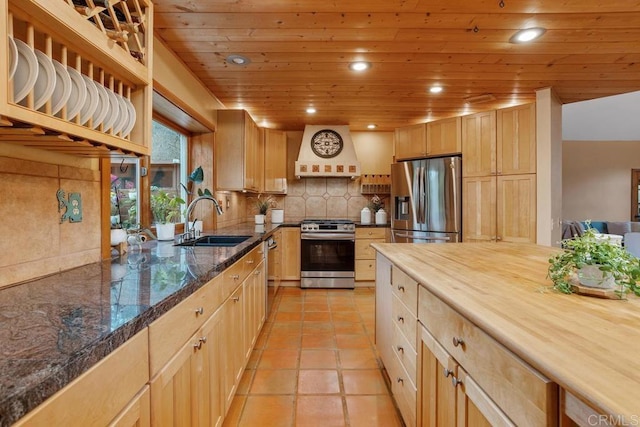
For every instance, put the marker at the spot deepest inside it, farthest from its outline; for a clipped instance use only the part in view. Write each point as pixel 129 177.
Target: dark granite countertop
pixel 55 328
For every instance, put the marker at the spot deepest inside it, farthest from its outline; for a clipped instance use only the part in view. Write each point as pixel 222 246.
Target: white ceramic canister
pixel 365 216
pixel 277 216
pixel 381 217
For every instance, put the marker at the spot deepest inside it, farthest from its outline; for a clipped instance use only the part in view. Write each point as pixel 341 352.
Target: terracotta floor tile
pixel 235 411
pixel 348 316
pixel 318 359
pixel 357 359
pixel 316 327
pixel 317 316
pixel 348 328
pixel 291 327
pixel 352 341
pixel 283 341
pixel 372 411
pixel 272 411
pixel 274 381
pixel 316 306
pixel 318 382
pixel 367 381
pixel 314 411
pixel 279 359
pixel 318 340
pixel 290 307
pixel 284 316
pixel 253 359
pixel 342 306
pixel 262 339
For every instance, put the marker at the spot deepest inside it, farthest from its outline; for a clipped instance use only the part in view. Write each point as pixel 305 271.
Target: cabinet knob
pixel 201 341
pixel 400 319
pixel 236 299
pixel 400 380
pixel 257 272
pixel 447 372
pixel 400 349
pixel 456 381
pixel 401 288
pixel 249 261
pixel 457 341
pixel 498 238
pixel 370 233
pixel 235 276
pixel 200 311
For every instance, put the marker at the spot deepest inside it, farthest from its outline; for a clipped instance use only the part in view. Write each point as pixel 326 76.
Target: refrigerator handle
pixel 454 177
pixel 423 196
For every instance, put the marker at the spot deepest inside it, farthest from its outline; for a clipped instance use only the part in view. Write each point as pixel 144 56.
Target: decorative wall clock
pixel 326 143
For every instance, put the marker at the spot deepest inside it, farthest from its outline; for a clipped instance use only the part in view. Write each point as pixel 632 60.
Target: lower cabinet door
pixel 233 356
pixel 210 406
pixel 137 413
pixel 436 395
pixel 475 407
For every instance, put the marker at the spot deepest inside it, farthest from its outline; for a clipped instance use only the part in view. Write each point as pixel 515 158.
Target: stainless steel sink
pixel 223 241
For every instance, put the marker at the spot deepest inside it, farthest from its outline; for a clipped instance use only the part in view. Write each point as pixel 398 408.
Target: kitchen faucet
pixel 190 233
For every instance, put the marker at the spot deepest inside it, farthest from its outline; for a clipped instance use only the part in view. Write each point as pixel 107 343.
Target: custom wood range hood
pixel 327 151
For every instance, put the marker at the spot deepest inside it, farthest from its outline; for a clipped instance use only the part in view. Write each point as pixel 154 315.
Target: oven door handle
pixel 327 236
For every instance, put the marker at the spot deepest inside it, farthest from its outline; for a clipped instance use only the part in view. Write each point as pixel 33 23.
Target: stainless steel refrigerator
pixel 426 201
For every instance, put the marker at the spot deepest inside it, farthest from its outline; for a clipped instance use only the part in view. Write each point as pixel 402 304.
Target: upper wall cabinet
pixel 76 79
pixel 237 152
pixel 430 139
pixel 275 161
pixel 479 144
pixel 516 140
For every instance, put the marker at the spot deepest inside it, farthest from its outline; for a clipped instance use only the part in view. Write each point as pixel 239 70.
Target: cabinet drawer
pixel 253 258
pixel 404 392
pixel 366 269
pixel 232 277
pixel 370 232
pixel 405 321
pixel 364 249
pixel 406 354
pixel 406 289
pixel 525 395
pixel 168 333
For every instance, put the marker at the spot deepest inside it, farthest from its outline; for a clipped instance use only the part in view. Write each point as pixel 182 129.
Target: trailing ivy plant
pixel 588 249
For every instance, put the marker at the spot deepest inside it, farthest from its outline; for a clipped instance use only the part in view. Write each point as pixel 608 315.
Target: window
pixel 167 169
pixel 124 192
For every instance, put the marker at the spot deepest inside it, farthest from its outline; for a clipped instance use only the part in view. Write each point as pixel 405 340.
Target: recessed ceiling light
pixel 371 126
pixel 435 89
pixel 527 35
pixel 311 110
pixel 360 66
pixel 237 60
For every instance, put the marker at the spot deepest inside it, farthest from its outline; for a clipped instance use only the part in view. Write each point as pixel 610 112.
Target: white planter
pixel 277 216
pixel 592 277
pixel 259 219
pixel 365 216
pixel 381 217
pixel 118 235
pixel 165 231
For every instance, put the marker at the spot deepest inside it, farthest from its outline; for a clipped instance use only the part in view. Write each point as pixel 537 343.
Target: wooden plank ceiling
pixel 300 51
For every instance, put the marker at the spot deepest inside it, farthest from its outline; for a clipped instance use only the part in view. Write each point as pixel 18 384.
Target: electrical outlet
pixel 228 203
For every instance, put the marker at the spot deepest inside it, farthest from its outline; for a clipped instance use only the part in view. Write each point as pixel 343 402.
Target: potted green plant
pixel 593 260
pixel 165 209
pixel 196 177
pixel 262 206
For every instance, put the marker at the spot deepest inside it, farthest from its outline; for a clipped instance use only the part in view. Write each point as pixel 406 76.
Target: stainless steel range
pixel 327 253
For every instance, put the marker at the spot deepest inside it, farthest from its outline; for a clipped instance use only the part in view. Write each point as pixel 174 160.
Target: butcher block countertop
pixel 588 346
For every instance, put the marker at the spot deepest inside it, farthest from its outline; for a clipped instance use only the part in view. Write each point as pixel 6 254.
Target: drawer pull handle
pixel 201 341
pixel 249 261
pixel 235 276
pixel 400 319
pixel 236 299
pixel 400 380
pixel 200 311
pixel 400 349
pixel 457 341
pixel 401 288
pixel 447 372
pixel 257 272
pixel 455 381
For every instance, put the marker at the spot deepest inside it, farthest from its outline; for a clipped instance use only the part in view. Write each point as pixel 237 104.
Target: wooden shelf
pixel 375 184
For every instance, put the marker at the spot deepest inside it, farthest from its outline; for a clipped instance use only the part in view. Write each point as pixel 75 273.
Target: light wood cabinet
pixel 444 137
pixel 81 43
pixel 499 180
pixel 290 243
pixel 275 161
pixel 274 265
pixel 365 255
pixel 499 208
pixel 503 388
pixel 114 384
pixel 479 144
pixel 410 142
pixel 237 152
pixel 137 413
pixel 516 140
pixel 254 307
pixel 384 327
pixel 233 354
